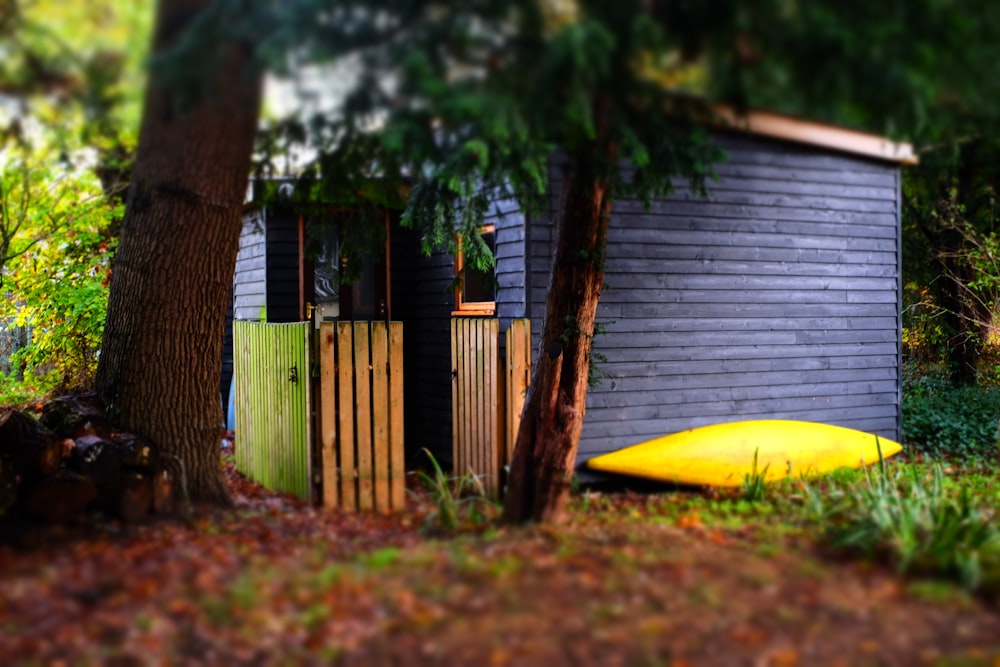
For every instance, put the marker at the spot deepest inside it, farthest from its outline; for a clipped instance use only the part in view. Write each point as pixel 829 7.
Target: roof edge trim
pixel 780 126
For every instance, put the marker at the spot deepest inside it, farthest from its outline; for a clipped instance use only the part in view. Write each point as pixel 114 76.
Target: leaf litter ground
pixel 632 579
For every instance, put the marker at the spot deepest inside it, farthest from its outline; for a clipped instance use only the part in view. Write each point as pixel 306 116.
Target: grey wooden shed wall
pixel 777 296
pixel 266 281
pixel 250 279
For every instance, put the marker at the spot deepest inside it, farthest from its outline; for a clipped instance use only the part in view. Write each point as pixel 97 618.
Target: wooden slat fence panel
pixel 273 400
pixel 518 357
pixel 487 396
pixel 361 415
pixel 397 465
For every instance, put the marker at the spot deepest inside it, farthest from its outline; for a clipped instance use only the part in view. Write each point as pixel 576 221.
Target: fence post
pixel 518 354
pixel 328 413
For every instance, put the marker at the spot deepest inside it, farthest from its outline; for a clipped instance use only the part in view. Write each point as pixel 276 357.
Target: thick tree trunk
pixel 552 420
pixel 161 355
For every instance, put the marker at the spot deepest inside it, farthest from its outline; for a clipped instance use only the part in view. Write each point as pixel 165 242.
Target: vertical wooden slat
pixel 472 424
pixel 261 466
pixel 305 409
pixel 510 354
pixel 380 414
pixel 500 429
pixel 282 432
pixel 240 348
pixel 456 436
pixel 519 377
pixel 279 396
pixel 264 466
pixel 345 415
pixel 397 470
pixel 474 384
pixel 363 404
pixel 245 435
pixel 482 390
pixel 472 418
pixel 461 412
pixel 260 379
pixel 468 415
pixel 266 390
pixel 481 398
pixel 493 417
pixel 328 413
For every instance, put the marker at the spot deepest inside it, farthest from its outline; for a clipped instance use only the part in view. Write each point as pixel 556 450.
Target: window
pixel 475 290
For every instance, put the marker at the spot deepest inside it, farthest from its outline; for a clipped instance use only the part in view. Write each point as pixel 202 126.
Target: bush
pixel 941 420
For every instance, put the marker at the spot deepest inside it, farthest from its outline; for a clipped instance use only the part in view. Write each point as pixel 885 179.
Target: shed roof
pixel 789 128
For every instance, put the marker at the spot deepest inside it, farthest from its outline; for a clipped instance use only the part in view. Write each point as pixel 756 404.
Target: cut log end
pixel 62 498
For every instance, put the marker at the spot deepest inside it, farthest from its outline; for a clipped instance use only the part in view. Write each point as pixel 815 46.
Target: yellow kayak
pixel 723 454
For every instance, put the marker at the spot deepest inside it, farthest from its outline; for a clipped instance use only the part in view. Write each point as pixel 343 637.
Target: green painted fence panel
pixel 271 370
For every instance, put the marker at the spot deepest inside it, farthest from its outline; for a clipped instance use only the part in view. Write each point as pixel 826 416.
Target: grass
pixel 921 524
pixel 755 482
pixel 459 503
pixel 923 520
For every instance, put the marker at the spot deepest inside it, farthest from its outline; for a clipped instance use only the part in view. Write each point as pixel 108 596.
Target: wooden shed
pixel 776 296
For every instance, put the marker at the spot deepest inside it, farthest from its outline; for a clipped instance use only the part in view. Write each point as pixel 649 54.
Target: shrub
pixel 941 420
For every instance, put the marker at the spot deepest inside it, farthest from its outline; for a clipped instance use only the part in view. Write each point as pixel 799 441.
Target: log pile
pixel 70 461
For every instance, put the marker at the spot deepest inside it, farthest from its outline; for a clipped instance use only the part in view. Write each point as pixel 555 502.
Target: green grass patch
pixel 917 519
pixel 458 503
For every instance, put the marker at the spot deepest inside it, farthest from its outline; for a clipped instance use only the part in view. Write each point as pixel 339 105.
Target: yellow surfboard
pixel 723 454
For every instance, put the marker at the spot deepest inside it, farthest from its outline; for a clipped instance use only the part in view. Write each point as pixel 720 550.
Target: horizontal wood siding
pixel 249 281
pixel 776 296
pixel 423 301
pixel 510 270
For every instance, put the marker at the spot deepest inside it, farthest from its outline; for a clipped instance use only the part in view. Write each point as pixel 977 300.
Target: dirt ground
pixel 627 582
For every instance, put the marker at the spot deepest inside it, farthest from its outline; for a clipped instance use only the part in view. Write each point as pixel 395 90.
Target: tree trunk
pixel 161 356
pixel 963 321
pixel 552 419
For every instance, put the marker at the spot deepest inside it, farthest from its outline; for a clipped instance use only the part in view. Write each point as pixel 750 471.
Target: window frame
pixel 473 308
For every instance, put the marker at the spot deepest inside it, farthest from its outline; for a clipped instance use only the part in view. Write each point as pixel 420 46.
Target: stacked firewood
pixel 70 461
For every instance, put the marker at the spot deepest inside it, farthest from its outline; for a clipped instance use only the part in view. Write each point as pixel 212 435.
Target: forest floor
pixel 632 579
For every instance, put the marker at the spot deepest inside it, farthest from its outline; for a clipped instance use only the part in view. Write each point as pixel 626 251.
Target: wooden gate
pixel 274 398
pixel 361 415
pixel 359 407
pixel 487 395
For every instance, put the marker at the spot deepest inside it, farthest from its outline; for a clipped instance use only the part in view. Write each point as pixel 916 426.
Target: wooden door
pixel 341 288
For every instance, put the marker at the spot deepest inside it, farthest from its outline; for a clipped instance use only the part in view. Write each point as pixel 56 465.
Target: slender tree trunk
pixel 161 356
pixel 552 420
pixel 963 319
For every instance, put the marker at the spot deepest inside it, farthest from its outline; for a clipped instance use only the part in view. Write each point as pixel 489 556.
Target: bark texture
pixel 162 349
pixel 552 420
